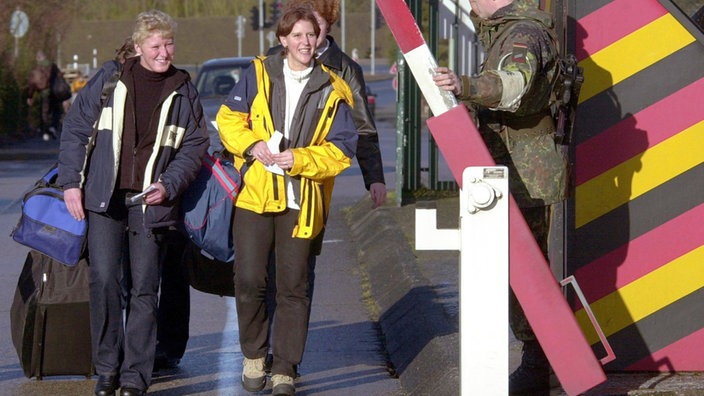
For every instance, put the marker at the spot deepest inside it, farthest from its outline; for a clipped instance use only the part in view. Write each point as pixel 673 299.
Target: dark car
pixel 371 101
pixel 215 80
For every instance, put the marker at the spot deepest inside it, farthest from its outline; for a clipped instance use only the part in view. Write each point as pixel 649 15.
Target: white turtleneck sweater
pixel 295 81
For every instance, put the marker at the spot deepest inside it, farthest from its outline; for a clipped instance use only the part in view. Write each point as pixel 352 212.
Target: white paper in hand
pixel 273 145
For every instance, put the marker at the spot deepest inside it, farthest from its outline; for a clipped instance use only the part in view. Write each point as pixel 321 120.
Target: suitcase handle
pixel 610 356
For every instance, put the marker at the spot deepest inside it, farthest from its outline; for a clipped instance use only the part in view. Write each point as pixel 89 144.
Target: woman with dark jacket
pixel 287 189
pixel 150 135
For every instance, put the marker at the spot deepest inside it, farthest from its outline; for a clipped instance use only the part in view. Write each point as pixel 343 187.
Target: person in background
pixel 77 84
pixel 287 189
pixel 154 145
pixel 39 83
pixel 511 99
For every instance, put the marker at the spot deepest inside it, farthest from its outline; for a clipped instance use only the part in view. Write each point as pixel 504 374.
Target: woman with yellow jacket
pixel 289 126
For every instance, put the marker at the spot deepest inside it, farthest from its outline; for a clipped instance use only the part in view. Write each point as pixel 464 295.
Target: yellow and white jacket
pixel 322 137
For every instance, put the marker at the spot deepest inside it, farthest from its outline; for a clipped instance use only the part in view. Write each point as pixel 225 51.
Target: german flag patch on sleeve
pixel 520 53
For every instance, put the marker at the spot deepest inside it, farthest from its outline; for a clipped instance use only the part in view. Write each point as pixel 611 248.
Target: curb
pixel 11 155
pixel 30 148
pixel 421 339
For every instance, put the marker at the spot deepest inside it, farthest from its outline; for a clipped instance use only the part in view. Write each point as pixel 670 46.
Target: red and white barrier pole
pixel 536 288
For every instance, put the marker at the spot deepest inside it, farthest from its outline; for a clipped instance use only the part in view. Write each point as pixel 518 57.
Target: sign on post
pixel 19 24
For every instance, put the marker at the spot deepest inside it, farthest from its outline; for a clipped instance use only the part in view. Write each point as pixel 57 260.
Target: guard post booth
pixel 635 223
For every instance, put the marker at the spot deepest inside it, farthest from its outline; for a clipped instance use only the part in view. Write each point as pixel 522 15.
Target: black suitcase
pixel 49 318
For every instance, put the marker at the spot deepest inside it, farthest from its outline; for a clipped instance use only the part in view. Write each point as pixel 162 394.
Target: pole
pixel 343 27
pixel 372 35
pixel 261 27
pixel 401 140
pixel 481 238
pixel 240 33
pixel 58 49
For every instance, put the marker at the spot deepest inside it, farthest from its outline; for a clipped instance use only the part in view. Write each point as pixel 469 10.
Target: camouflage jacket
pixel 511 100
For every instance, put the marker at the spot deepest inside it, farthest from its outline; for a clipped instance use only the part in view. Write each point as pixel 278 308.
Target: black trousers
pixel 51 112
pixel 123 347
pixel 255 235
pixel 174 299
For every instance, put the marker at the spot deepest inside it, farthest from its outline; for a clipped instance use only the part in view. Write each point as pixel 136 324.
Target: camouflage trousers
pixel 538 219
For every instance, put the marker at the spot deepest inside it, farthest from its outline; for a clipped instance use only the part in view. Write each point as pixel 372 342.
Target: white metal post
pixel 484 280
pixel 483 242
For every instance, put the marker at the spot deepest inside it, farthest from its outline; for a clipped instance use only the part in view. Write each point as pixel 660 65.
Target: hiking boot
pixel 269 362
pixel 532 377
pixel 253 375
pixel 282 385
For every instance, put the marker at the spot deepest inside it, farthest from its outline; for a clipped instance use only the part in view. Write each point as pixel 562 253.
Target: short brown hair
pixel 327 9
pixel 293 15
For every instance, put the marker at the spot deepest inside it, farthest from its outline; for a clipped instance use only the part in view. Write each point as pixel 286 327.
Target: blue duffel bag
pixel 47 226
pixel 207 207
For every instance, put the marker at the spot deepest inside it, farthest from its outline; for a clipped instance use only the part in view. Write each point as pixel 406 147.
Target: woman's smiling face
pixel 301 44
pixel 157 53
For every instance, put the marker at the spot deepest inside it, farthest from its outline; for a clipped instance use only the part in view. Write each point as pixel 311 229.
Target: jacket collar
pixel 175 79
pixel 332 57
pixel 275 68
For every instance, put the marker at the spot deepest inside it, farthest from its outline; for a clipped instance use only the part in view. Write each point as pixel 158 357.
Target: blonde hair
pixel 153 22
pixel 327 9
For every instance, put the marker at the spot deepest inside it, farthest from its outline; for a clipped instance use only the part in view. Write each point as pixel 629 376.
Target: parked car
pixel 215 80
pixel 371 100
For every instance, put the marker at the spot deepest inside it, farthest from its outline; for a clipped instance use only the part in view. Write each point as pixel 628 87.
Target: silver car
pixel 216 78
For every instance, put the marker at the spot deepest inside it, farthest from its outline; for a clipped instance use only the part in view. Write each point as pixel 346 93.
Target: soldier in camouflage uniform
pixel 510 100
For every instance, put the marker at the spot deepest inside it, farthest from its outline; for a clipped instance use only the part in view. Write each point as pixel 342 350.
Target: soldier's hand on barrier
pixel 447 80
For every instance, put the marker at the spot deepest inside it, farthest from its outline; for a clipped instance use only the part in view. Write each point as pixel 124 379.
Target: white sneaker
pixel 282 385
pixel 253 375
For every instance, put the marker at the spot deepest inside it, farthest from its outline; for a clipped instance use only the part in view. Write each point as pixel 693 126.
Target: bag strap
pixel 50 177
pixel 110 84
pixel 216 167
pixel 105 94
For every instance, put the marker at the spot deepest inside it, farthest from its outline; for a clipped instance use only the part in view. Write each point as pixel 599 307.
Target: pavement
pixel 411 296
